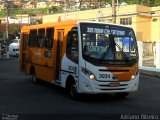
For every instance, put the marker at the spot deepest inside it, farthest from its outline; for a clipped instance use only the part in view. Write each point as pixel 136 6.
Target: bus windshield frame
pixel 105 44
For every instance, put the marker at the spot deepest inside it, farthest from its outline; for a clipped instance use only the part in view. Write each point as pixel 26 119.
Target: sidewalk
pixel 150 73
pixel 4 57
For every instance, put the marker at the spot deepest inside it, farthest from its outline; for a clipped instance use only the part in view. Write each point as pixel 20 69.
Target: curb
pixel 150 73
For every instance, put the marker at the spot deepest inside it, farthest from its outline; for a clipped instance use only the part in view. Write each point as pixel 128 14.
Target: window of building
pixel 126 21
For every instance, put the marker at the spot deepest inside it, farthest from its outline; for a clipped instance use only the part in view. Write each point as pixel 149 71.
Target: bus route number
pixel 104 75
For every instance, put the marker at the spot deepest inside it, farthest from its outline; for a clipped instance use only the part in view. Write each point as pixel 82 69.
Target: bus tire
pixel 122 95
pixel 72 88
pixel 34 78
pixel 17 55
pixel 73 91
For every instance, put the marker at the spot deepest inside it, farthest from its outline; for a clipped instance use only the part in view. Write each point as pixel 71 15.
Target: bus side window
pixel 41 38
pixel 72 46
pixel 32 38
pixel 49 38
pixel 24 39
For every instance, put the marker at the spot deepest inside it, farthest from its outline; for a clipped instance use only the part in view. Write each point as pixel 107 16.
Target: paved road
pixel 20 98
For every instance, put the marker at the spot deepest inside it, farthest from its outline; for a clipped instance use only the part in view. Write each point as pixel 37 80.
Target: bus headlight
pixel 88 73
pixel 92 77
pixel 134 76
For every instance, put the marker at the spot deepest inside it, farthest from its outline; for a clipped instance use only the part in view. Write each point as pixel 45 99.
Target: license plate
pixel 114 84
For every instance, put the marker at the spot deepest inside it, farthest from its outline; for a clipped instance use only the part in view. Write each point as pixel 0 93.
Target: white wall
pixel 157 55
pixel 156 58
pixel 140 50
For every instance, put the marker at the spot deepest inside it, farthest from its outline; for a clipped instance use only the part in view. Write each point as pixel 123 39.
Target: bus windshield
pixel 108 44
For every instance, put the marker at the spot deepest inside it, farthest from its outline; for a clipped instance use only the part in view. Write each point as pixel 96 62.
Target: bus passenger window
pixel 49 38
pixel 41 38
pixel 72 46
pixel 32 38
pixel 24 39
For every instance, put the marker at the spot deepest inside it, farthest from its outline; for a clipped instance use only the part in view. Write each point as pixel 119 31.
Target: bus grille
pixel 105 85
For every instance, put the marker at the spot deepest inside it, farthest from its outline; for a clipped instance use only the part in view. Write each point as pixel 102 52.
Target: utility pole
pixel 113 11
pixel 7 24
pixel 65 10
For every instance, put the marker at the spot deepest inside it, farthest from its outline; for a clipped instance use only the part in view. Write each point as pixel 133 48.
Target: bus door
pixel 47 45
pixel 60 37
pixel 24 51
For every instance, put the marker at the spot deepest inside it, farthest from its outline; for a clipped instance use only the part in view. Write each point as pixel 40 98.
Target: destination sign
pixel 105 31
pixel 97 49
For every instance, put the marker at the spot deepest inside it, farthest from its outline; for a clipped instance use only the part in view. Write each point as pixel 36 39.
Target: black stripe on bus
pixel 68 71
pixel 113 70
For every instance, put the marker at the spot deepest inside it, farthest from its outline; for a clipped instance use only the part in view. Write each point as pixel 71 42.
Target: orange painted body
pixel 123 73
pixel 34 57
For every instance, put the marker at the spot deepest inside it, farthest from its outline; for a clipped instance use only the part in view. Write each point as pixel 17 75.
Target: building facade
pixel 144 20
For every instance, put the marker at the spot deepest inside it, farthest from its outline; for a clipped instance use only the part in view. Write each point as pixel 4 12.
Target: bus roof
pixel 54 24
pixel 65 23
pixel 98 22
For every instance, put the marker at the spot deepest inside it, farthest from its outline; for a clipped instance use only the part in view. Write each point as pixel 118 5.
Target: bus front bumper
pixel 97 87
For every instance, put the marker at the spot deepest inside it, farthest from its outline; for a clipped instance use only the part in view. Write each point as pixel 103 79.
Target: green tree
pixel 55 9
pixel 14 28
pixel 157 2
pixel 108 1
pixel 39 21
pixel 149 3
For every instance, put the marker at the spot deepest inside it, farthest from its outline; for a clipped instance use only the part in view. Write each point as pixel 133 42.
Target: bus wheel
pixel 73 91
pixel 17 55
pixel 122 95
pixel 34 78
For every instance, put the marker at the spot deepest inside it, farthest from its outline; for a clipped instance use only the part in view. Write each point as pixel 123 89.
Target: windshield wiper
pixel 112 46
pixel 126 59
